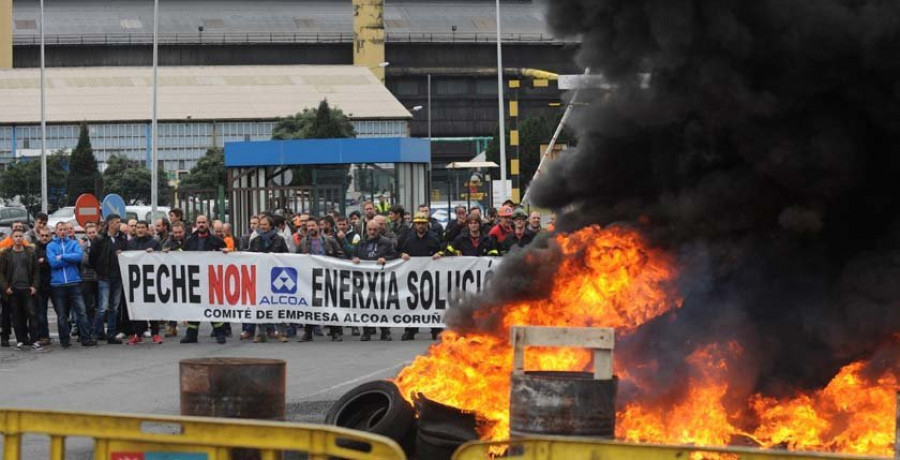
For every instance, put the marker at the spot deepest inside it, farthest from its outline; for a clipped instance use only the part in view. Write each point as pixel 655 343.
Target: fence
pixel 250 38
pixel 137 437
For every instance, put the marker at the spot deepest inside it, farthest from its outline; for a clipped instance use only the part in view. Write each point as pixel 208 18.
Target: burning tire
pixel 442 429
pixel 375 407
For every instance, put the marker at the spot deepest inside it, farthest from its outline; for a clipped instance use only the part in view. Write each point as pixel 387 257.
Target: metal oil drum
pixel 233 387
pixel 562 403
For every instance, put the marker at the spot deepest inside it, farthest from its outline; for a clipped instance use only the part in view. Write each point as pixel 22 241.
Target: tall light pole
pixel 154 169
pixel 500 107
pixel 429 107
pixel 44 198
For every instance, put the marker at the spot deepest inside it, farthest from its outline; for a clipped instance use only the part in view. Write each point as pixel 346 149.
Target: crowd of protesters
pixel 80 277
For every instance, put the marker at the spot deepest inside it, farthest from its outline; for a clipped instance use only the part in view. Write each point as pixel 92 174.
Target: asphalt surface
pixel 143 379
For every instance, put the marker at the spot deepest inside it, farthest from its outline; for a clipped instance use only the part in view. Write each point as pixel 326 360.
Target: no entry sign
pixel 87 209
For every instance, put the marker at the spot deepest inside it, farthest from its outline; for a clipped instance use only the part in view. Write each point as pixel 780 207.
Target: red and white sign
pixel 87 209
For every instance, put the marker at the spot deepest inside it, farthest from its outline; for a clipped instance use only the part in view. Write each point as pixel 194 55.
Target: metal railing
pixel 126 435
pixel 564 448
pixel 252 38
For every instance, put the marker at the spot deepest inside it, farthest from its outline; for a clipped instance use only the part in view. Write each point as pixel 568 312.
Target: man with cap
pixel 422 242
pixel 503 227
pixel 520 236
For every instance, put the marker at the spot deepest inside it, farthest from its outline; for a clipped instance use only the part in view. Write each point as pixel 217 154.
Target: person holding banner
pixel 421 243
pixel 318 244
pixel 473 242
pixel 175 242
pixel 142 241
pixel 380 249
pixel 203 241
pixel 267 241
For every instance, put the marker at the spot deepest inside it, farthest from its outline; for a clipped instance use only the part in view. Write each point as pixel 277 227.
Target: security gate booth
pixel 317 175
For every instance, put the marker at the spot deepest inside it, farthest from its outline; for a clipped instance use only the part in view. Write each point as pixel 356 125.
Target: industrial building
pixel 199 107
pixel 452 41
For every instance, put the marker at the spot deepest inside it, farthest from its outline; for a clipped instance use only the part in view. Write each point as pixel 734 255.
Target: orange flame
pixel 610 278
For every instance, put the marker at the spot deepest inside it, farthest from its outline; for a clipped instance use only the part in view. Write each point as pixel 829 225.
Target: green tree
pixel 320 123
pixel 128 179
pixel 533 132
pixel 22 179
pixel 208 173
pixel 323 122
pixel 83 172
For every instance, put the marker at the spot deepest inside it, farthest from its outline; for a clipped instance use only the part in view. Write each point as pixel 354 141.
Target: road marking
pixel 356 380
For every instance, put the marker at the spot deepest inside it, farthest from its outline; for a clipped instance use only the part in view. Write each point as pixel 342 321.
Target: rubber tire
pixel 375 407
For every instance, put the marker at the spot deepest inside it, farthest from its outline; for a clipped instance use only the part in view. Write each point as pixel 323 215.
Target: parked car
pixel 66 214
pixel 144 213
pixel 11 214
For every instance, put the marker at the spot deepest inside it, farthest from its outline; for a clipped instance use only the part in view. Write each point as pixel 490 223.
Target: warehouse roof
pixel 203 93
pixel 304 17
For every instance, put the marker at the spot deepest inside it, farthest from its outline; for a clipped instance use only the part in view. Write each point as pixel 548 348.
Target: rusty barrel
pixel 562 403
pixel 233 387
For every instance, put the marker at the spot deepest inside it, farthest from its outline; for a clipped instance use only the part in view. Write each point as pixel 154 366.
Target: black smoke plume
pixel 764 153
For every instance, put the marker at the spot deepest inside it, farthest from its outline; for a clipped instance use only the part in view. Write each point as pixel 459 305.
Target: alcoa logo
pixel 284 280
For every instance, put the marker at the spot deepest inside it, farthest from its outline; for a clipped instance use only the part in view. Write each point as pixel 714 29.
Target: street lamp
pixel 154 128
pixel 500 106
pixel 416 108
pixel 44 200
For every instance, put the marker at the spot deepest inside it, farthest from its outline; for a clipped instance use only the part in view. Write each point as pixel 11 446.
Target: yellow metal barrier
pixel 566 448
pixel 123 436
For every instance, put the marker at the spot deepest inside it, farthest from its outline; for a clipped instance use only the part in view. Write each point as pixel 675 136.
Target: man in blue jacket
pixel 64 255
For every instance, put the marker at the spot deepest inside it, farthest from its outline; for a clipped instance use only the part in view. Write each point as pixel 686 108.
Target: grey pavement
pixel 143 379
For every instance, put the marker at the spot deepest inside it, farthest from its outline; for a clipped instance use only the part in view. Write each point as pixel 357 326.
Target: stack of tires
pixel 378 407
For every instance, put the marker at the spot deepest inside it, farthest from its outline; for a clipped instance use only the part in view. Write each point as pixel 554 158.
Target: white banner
pixel 292 288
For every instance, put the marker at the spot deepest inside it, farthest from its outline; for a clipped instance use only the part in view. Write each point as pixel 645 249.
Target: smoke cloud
pixel 764 154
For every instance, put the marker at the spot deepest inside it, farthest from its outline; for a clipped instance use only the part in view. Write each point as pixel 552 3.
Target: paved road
pixel 144 378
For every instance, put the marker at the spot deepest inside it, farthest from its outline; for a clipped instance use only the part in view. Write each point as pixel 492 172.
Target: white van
pixel 143 213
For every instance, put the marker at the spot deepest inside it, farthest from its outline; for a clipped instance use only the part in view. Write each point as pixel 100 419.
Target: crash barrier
pixel 565 448
pixel 120 437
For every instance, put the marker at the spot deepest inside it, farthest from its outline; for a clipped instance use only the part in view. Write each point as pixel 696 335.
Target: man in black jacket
pixel 43 294
pixel 473 242
pixel 421 243
pixel 433 225
pixel 318 244
pixel 380 249
pixel 142 241
pixel 455 226
pixel 203 241
pixel 19 278
pixel 104 257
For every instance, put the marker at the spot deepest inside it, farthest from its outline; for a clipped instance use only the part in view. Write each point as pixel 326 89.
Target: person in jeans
pixel 64 255
pixel 88 275
pixel 19 278
pixel 104 257
pixel 43 294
